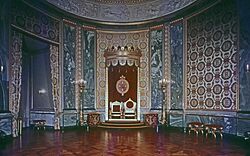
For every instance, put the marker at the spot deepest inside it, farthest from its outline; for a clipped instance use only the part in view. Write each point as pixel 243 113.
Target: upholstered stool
pixel 214 129
pixel 39 124
pixel 247 135
pixel 196 127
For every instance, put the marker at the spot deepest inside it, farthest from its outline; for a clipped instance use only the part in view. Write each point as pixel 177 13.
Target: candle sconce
pixel 247 68
pixel 81 83
pixel 163 85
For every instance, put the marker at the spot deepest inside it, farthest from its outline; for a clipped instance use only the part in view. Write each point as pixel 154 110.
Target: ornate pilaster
pixel 79 73
pixel 15 78
pixel 54 64
pixel 167 69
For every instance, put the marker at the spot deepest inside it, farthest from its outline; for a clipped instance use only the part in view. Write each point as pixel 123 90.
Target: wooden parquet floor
pixel 113 142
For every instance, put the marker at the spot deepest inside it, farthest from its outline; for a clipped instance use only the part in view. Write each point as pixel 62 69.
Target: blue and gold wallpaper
pixel 244 73
pixel 89 67
pixel 69 66
pixel 156 66
pixel 176 48
pixel 244 56
pixel 4 48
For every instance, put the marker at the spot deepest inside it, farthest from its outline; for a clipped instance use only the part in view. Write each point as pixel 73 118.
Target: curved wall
pixel 125 12
pixel 177 55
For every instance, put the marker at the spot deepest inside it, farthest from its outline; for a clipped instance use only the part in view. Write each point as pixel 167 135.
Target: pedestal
pixel 93 119
pixel 151 119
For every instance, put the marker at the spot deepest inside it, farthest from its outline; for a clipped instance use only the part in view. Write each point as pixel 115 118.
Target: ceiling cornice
pixel 130 11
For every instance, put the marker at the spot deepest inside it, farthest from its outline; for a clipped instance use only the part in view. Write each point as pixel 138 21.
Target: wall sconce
pixel 82 84
pixel 247 68
pixel 41 91
pixel 1 69
pixel 163 84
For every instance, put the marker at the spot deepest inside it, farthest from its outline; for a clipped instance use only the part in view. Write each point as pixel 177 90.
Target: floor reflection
pixel 102 142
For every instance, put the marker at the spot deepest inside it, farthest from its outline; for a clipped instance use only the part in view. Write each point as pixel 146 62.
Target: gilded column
pixel 15 78
pixel 54 64
pixel 167 71
pixel 79 73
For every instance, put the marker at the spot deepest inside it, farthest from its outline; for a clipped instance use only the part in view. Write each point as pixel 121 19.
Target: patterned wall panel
pixel 69 65
pixel 69 118
pixel 105 39
pixel 212 59
pixel 244 55
pixel 156 64
pixel 89 67
pixel 176 119
pixel 35 22
pixel 176 43
pixel 243 124
pixel 6 123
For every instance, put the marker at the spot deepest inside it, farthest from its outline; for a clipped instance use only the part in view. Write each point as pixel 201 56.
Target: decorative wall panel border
pixel 55 80
pixel 35 22
pixel 15 63
pixel 167 64
pixel 121 12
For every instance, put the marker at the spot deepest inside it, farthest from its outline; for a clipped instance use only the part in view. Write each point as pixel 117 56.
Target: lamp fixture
pixel 247 68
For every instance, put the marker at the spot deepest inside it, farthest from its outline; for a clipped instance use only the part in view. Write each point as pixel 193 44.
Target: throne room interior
pixel 124 77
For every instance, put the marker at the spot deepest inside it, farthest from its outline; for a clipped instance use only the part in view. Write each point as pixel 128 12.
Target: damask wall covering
pixel 212 67
pixel 212 56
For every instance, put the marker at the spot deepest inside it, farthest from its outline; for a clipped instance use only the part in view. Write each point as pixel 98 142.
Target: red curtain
pixel 114 74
